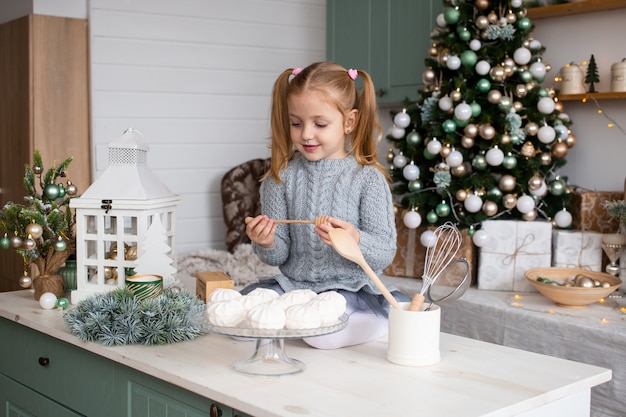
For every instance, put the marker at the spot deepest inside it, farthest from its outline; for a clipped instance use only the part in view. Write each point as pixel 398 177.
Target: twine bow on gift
pixel 583 247
pixel 511 258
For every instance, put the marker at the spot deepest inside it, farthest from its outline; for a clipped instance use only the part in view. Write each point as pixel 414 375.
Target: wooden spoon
pixel 347 247
pixel 318 220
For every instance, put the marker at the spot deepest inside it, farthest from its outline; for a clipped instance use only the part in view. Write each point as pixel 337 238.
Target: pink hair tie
pixel 352 73
pixel 296 71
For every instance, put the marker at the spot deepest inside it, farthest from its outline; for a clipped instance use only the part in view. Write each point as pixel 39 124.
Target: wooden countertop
pixel 473 378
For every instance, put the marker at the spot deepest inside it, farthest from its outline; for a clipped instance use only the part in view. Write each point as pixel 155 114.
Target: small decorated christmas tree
pixel 592 76
pixel 41 228
pixel 484 140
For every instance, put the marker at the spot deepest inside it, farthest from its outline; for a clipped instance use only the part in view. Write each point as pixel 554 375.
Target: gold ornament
pixel 490 208
pixel 535 182
pixel 492 17
pixel 390 156
pixel 505 139
pixel 461 195
pixel 482 22
pixel 570 140
pixel 131 253
pixel 471 130
pixel 497 73
pixel 445 151
pixel 432 51
pixel 528 149
pixel 511 18
pixel 559 149
pixel 530 216
pixel 482 4
pixel 517 106
pixel 507 183
pixel 428 76
pixel 455 95
pixel 558 106
pixel 467 142
pixel 35 230
pixel 459 171
pixel 509 201
pixel 494 96
pixel 521 90
pixel 531 129
pixel 546 158
pixel 486 131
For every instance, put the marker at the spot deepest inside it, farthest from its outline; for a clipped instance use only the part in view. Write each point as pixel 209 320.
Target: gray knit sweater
pixel 341 188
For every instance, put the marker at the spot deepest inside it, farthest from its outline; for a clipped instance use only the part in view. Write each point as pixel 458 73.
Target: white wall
pixel 195 77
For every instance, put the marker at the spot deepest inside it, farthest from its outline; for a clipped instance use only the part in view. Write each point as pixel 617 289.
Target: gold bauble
pixel 558 106
pixel 482 22
pixel 497 73
pixel 445 151
pixel 546 158
pixel 509 201
pixel 517 106
pixel 528 149
pixel 508 62
pixel 455 95
pixel 530 216
pixel 508 71
pixel 428 76
pixel 511 18
pixel 471 130
pixel 521 90
pixel 505 139
pixel 490 208
pixel 390 156
pixel 482 4
pixel 535 182
pixel 570 140
pixel 432 51
pixel 131 253
pixel 559 149
pixel 486 131
pixel 467 142
pixel 494 96
pixel 492 17
pixel 459 171
pixel 531 129
pixel 461 195
pixel 507 183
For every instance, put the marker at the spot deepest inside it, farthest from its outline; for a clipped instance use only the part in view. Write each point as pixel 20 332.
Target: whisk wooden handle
pixel 318 220
pixel 416 302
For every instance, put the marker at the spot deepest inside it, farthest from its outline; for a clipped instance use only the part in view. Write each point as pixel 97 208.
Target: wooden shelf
pixel 604 96
pixel 565 9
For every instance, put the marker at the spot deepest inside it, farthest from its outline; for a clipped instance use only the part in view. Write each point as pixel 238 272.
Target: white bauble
pixel 402 120
pixel 441 21
pixel 563 219
pixel 482 67
pixel 525 204
pixel 412 219
pixel 480 238
pixel 516 3
pixel 541 191
pixel 494 157
pixel 463 111
pixel 473 203
pixel 411 172
pixel 400 161
pixel 535 45
pixel 475 45
pixel 538 70
pixel 522 56
pixel 47 301
pixel 454 62
pixel 546 134
pixel 396 132
pixel 434 147
pixel 455 159
pixel 561 131
pixel 428 238
pixel 546 105
pixel 445 103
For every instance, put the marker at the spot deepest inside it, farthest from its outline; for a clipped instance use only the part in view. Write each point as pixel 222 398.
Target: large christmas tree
pixel 484 139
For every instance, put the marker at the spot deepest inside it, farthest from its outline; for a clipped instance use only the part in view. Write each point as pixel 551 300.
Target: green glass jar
pixel 68 272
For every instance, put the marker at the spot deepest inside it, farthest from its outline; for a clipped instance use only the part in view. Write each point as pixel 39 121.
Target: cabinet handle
pixel 44 361
pixel 381 92
pixel 215 411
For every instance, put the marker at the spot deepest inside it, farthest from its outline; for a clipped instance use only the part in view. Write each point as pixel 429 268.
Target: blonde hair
pixel 338 87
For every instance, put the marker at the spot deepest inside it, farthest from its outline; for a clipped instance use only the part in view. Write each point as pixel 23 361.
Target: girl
pixel 324 162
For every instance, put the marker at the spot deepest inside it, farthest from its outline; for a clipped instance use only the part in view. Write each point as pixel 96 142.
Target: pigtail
pixel 280 141
pixel 367 129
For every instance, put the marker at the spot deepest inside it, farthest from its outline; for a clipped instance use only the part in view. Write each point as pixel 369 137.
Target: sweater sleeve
pixel 377 223
pixel 274 206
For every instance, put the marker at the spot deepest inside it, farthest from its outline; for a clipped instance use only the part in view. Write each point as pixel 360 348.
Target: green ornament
pixel 62 303
pixel 5 242
pixel 463 33
pixel 448 126
pixel 413 138
pixel 442 209
pixel 479 163
pixel 451 15
pixel 484 85
pixel 542 92
pixel 62 191
pixel 526 76
pixel 505 104
pixel 471 231
pixel 469 58
pixel 524 24
pixel 431 217
pixel 460 123
pixel 415 185
pixel 51 191
pixel 428 155
pixel 557 188
pixel 509 162
pixel 60 245
pixel 476 109
pixel 494 194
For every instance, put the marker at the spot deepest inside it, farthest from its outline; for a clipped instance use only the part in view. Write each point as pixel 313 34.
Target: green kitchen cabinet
pixel 387 38
pixel 41 376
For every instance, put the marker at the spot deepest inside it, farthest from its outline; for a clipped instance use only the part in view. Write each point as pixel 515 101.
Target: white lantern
pixel 114 214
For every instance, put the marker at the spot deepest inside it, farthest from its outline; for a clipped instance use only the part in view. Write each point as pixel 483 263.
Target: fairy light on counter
pixel 603 320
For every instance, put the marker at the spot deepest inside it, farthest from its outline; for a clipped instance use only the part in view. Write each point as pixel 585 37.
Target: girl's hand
pixel 261 230
pixel 323 229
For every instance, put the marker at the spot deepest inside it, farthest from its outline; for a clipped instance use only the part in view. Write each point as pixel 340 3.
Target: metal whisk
pixel 447 241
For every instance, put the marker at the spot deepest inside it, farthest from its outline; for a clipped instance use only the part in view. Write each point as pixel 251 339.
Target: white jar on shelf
pixel 618 76
pixel 573 79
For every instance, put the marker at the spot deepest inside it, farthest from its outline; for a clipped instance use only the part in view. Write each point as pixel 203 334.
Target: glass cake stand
pixel 269 357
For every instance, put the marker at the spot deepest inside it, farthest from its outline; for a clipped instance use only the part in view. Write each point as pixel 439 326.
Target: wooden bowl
pixel 571 296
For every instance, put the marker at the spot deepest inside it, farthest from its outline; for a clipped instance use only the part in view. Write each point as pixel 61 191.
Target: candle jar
pixel 618 76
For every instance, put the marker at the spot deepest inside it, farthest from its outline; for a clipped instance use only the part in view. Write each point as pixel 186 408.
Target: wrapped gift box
pixel 514 247
pixel 576 249
pixel 207 282
pixel 588 213
pixel 410 255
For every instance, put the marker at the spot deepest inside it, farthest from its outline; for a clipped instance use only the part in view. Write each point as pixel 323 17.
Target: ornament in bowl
pixel 571 287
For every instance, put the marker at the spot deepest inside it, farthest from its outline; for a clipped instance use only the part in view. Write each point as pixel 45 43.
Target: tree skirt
pixel 243 265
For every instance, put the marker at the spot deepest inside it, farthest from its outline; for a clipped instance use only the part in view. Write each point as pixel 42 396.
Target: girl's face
pixel 318 129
